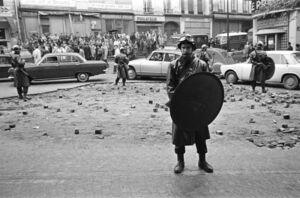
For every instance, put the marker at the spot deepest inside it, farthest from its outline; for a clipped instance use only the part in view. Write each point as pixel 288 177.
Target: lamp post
pixel 228 40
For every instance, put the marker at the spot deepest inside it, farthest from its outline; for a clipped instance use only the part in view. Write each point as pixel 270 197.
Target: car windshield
pixel 296 57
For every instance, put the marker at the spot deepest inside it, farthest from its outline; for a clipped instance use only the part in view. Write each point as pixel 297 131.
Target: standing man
pixel 37 54
pixel 204 55
pixel 257 58
pixel 122 62
pixel 289 47
pixel 186 65
pixel 21 77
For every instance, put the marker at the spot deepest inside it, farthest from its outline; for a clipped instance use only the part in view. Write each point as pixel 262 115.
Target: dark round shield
pixel 197 101
pixel 269 71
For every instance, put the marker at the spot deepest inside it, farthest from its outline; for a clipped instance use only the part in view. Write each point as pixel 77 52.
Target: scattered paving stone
pixel 269 102
pixel 284 126
pixel 157 105
pixel 278 113
pixel 76 131
pixel 79 103
pixel 168 133
pixel 286 116
pixel 36 127
pixel 45 134
pixel 105 110
pixel 72 110
pixel 25 113
pixel 153 116
pixel 272 145
pixel 12 126
pixel 232 100
pixel 45 107
pixel 155 110
pixel 166 109
pixel 132 106
pixel 219 132
pixel 252 107
pixel 58 110
pixel 250 139
pixel 60 96
pixel 98 131
pixel 150 102
pixel 263 104
pixel 289 144
pixel 241 99
pixel 7 129
pixel 137 91
pixel 286 105
pixel 251 120
pixel 100 136
pixel 274 121
pixel 259 144
pixel 254 132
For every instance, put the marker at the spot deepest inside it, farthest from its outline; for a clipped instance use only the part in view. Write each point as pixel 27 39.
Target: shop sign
pixel 272 22
pixel 150 18
pixel 114 16
pixel 5 12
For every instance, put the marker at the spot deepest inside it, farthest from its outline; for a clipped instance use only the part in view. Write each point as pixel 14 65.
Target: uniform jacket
pixel 178 71
pixel 122 62
pixel 257 71
pixel 21 78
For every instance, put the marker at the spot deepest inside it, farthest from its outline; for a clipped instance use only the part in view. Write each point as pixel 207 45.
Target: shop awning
pixel 270 31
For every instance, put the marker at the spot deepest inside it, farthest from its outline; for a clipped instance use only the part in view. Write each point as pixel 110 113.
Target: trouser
pixel 117 80
pixel 22 90
pixel 200 145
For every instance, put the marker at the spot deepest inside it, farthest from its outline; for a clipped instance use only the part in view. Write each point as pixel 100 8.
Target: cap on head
pixel 186 39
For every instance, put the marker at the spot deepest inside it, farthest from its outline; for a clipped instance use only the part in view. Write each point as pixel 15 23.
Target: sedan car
pixel 65 65
pixel 287 69
pixel 155 65
pixel 5 64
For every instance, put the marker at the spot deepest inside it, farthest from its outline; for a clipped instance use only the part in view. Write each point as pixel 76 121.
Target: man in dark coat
pixel 258 70
pixel 122 61
pixel 186 65
pixel 21 77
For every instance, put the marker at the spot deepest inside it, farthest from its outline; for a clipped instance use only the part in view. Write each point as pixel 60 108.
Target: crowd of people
pixel 95 46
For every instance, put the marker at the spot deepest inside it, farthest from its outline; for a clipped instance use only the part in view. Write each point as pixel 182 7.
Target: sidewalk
pixel 110 168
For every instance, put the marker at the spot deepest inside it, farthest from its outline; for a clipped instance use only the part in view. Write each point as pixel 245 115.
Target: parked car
pixel 155 65
pixel 5 64
pixel 287 69
pixel 218 57
pixel 64 65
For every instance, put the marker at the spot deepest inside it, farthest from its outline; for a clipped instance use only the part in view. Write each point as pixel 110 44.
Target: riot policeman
pixel 180 69
pixel 259 67
pixel 122 61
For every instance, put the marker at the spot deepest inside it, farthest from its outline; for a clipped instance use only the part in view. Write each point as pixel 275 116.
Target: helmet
pixel 16 47
pixel 260 43
pixel 204 46
pixel 186 39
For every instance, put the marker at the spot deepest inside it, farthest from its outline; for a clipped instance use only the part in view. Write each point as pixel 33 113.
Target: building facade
pixel 8 23
pixel 86 17
pixel 238 12
pixel 277 27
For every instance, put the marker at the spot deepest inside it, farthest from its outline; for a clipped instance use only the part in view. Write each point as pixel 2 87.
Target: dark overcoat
pixel 178 71
pixel 258 68
pixel 21 77
pixel 122 62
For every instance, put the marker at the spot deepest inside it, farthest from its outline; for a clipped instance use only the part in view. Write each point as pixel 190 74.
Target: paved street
pixel 42 157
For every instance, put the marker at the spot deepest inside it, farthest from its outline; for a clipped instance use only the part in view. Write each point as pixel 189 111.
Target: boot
pixel 204 165
pixel 180 164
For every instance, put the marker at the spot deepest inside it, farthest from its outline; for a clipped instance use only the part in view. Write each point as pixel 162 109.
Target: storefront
pixel 120 22
pixel 146 23
pixel 8 28
pixel 172 25
pixel 273 30
pixel 196 25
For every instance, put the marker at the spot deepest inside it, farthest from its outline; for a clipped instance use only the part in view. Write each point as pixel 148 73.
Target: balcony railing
pixel 148 10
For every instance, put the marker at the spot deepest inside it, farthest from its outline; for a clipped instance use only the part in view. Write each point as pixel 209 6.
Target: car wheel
pixel 231 77
pixel 82 77
pixel 290 82
pixel 131 73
